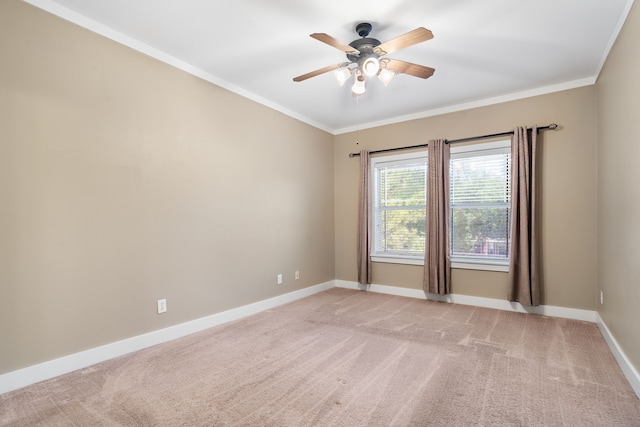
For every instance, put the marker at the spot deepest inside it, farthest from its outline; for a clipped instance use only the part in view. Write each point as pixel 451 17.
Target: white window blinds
pixel 480 202
pixel 399 204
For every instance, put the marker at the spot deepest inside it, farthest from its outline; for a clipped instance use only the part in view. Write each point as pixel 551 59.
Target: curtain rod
pixel 552 126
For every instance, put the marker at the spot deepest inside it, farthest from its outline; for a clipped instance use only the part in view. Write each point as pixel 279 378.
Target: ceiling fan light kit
pixel 366 54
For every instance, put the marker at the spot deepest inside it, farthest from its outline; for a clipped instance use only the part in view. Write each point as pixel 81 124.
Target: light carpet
pixel 350 358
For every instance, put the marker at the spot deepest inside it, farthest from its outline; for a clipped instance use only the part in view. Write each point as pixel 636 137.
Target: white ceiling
pixel 483 51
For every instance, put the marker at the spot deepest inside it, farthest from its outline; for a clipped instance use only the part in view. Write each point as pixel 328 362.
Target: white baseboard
pixel 53 368
pixel 43 371
pixel 625 364
pixel 545 310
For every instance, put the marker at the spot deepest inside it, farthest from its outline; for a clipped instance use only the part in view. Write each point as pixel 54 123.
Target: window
pixel 399 186
pixel 480 203
pixel 480 206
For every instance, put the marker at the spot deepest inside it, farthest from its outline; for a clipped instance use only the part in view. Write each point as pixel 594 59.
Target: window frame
pixel 458 262
pixel 478 262
pixel 397 159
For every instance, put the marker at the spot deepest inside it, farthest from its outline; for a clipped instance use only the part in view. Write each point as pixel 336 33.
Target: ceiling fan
pixel 366 58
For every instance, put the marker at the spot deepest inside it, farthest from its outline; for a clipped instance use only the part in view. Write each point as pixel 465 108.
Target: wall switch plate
pixel 297 275
pixel 162 306
pixel 279 279
pixel 601 297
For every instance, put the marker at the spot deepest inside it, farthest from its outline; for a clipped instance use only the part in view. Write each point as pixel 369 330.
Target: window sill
pixel 398 260
pixel 484 266
pixel 455 263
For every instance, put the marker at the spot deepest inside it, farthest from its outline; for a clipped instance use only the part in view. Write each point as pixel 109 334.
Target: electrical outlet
pixel 279 279
pixel 297 275
pixel 162 306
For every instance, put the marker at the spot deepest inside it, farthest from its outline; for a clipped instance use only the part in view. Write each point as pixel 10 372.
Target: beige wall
pixel 124 180
pixel 567 180
pixel 619 189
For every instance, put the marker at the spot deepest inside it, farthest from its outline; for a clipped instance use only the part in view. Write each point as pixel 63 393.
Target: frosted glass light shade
pixel 358 87
pixel 370 66
pixel 386 76
pixel 342 75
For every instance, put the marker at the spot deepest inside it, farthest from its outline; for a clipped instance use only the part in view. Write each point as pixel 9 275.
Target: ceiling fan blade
pixel 408 68
pixel 416 36
pixel 320 71
pixel 331 41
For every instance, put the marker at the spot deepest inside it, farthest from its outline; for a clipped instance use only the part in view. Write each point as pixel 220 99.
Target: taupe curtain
pixel 523 269
pixel 364 221
pixel 437 263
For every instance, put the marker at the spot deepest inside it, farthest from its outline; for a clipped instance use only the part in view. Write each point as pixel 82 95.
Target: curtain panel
pixel 524 286
pixel 437 262
pixel 364 221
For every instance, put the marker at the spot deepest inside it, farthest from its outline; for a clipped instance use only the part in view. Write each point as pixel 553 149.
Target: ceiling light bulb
pixel 342 75
pixel 358 87
pixel 386 76
pixel 370 66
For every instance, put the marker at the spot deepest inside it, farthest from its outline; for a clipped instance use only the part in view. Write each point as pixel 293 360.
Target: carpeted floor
pixel 350 358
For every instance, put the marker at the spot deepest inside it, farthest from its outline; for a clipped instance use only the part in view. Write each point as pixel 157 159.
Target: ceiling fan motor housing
pixel 367 59
pixel 365 46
